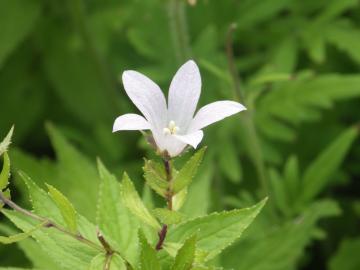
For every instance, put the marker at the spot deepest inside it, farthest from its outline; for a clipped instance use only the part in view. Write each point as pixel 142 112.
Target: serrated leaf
pixel 186 174
pixel 21 236
pixel 319 173
pixel 179 199
pixel 186 255
pixel 113 217
pixel 67 210
pixel 134 203
pixel 155 176
pixel 112 262
pixel 7 195
pixel 67 252
pixel 167 216
pixel 4 145
pixel 218 230
pixel 5 172
pixel 148 256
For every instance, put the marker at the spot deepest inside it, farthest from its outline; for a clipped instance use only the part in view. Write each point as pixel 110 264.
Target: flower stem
pixel 179 30
pixel 48 223
pixel 163 232
pixel 248 121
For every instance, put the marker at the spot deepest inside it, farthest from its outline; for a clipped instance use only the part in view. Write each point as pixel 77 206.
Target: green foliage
pixel 134 203
pixel 148 257
pixel 113 218
pixel 21 236
pixel 186 174
pixel 347 257
pixel 321 170
pixel 186 255
pixel 66 208
pixel 167 216
pixel 155 176
pixel 299 79
pixel 216 231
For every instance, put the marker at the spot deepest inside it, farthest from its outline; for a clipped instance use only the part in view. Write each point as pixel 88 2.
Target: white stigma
pixel 171 129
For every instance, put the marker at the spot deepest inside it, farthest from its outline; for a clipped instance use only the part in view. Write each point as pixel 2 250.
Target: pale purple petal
pixel 147 96
pixel 130 121
pixel 184 94
pixel 214 112
pixel 192 139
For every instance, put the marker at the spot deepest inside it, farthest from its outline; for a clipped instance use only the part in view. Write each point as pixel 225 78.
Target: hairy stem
pixel 169 195
pixel 48 223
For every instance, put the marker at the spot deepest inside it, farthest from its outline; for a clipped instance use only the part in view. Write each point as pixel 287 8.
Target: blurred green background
pixel 294 64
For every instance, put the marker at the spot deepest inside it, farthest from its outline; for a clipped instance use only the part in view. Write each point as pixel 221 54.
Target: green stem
pixel 163 232
pixel 179 30
pixel 248 121
pixel 48 223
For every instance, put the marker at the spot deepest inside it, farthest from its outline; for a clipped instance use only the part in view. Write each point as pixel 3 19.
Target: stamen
pixel 171 129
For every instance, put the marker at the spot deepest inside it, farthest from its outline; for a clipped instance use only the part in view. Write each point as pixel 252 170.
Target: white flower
pixel 173 125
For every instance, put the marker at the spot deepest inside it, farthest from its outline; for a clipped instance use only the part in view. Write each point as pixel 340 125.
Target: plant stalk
pixel 251 133
pixel 163 232
pixel 49 223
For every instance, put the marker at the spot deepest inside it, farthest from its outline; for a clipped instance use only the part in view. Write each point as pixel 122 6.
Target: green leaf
pixel 67 210
pixel 112 262
pixel 283 245
pixel 148 256
pixel 347 256
pixel 66 251
pixel 133 202
pixel 216 231
pixel 4 145
pixel 21 236
pixel 13 31
pixel 280 193
pixel 7 195
pixel 5 172
pixel 167 216
pixel 113 217
pixel 320 172
pixel 186 174
pixel 179 199
pixel 155 176
pixel 292 176
pixel 186 255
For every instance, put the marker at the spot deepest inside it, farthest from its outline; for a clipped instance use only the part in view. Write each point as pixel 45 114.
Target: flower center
pixel 171 129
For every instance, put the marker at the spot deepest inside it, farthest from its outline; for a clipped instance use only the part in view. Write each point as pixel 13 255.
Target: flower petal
pixel 130 121
pixel 214 112
pixel 147 96
pixel 192 139
pixel 184 94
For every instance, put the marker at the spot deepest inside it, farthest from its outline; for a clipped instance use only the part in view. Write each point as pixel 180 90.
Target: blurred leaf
pixel 179 199
pixel 347 256
pixel 134 203
pixel 67 210
pixel 216 231
pixel 319 173
pixel 17 19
